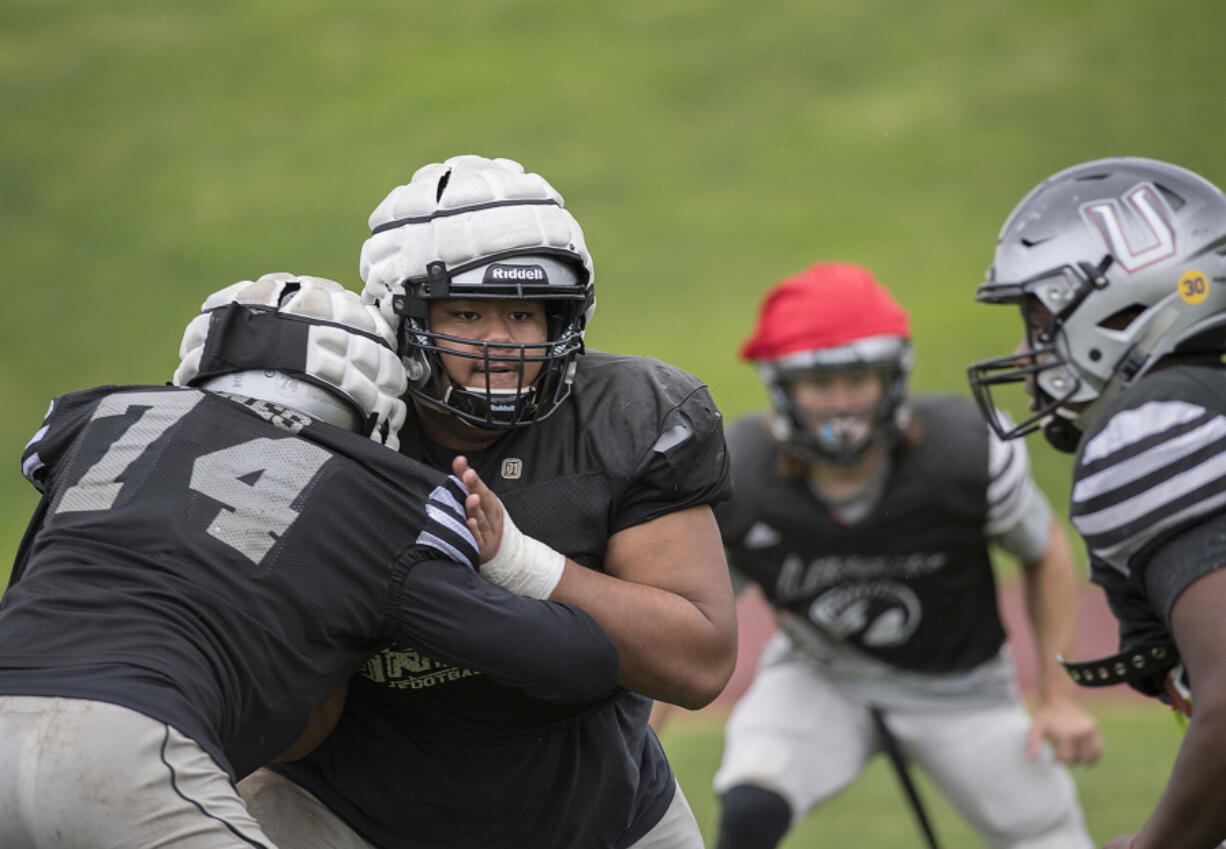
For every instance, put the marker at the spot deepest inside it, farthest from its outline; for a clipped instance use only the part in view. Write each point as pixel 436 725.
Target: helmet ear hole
pixel 780 427
pixel 415 370
pixel 1122 318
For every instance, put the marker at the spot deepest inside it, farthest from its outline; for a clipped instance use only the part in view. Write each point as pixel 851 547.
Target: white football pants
pixel 802 736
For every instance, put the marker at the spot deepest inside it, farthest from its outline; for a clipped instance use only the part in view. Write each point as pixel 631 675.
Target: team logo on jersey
pixel 877 614
pixel 801 579
pixel 512 468
pixel 409 669
pixel 1152 236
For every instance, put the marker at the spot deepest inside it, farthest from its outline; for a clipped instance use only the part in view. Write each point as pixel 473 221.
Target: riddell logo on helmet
pixel 515 274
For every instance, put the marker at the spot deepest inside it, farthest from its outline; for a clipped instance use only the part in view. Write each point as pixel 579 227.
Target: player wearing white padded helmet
pixel 609 464
pixel 208 567
pixel 481 230
pixel 1119 267
pixel 319 350
pixel 865 516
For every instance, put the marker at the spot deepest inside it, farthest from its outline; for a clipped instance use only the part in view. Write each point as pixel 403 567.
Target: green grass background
pixel 152 152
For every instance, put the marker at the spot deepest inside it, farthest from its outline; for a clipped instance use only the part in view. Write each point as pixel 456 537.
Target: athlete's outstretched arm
pixel 665 597
pixel 553 651
pixel 1192 809
pixel 1050 588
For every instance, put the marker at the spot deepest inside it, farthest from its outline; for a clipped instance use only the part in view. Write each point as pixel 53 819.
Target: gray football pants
pixel 298 820
pixel 81 774
pixel 804 737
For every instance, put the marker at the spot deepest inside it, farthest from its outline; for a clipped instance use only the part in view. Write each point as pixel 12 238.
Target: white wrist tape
pixel 523 565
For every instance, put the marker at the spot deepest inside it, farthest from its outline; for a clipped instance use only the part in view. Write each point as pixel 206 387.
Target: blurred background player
pixel 208 564
pixel 865 516
pixel 609 465
pixel 1119 267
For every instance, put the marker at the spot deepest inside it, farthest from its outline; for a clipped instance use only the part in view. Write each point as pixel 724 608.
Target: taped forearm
pixel 523 565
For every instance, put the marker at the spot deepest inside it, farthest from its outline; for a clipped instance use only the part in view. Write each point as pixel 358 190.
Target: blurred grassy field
pixel 153 152
pixel 1116 794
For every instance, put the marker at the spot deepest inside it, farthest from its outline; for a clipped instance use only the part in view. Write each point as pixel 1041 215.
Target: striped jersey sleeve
pixel 1013 498
pixel 1149 470
pixel 32 461
pixel 446 531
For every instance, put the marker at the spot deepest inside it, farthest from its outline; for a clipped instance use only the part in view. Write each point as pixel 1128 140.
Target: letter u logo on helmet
pixel 477 228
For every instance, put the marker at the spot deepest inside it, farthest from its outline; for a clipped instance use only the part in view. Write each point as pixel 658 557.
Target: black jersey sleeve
pixel 548 649
pixel 1181 559
pixel 686 466
pixel 1135 614
pixel 38 458
pixel 754 460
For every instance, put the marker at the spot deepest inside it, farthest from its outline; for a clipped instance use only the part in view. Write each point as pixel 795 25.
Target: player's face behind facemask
pixel 304 343
pixel 495 346
pixel 475 229
pixel 491 347
pixel 837 408
pixel 1035 356
pixel 832 347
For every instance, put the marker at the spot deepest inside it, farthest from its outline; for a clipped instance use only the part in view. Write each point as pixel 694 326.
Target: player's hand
pixel 509 558
pixel 483 509
pixel 1070 728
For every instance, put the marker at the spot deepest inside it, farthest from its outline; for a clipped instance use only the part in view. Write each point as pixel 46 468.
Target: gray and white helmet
pixel 478 228
pixel 1129 257
pixel 303 342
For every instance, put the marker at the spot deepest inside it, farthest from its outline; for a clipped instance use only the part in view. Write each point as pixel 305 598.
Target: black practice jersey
pixel 910 583
pixel 431 753
pixel 223 565
pixel 1149 495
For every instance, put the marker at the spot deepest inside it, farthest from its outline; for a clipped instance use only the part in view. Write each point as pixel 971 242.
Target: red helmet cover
pixel 825 306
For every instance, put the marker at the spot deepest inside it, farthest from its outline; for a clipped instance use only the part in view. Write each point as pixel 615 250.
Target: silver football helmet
pixel 1116 263
pixel 477 228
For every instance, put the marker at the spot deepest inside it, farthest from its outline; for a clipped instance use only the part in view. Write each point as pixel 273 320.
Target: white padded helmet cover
pixel 460 211
pixel 363 371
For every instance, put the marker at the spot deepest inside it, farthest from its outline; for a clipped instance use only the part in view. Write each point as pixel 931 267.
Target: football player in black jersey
pixel 609 465
pixel 1119 267
pixel 865 517
pixel 214 558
